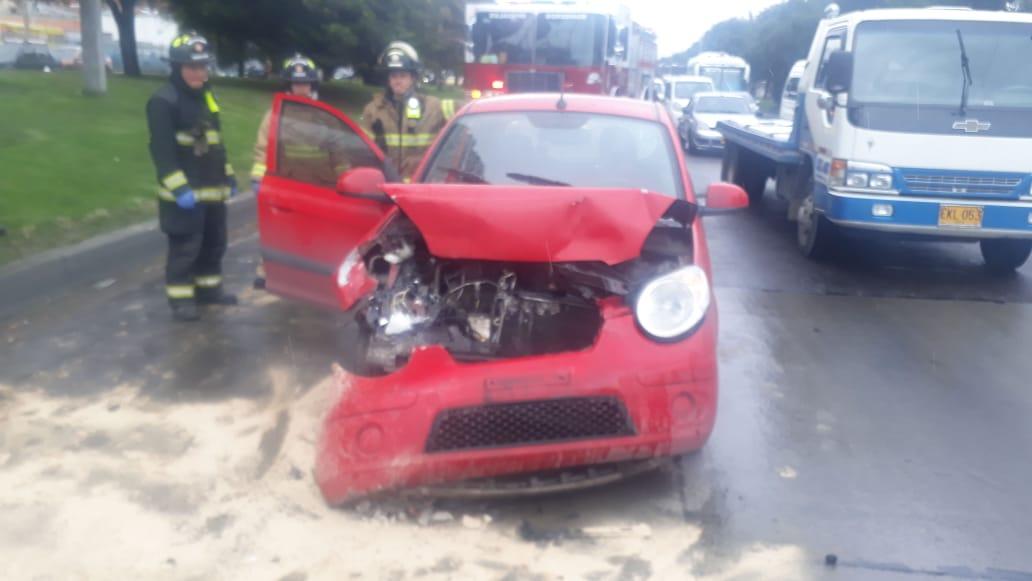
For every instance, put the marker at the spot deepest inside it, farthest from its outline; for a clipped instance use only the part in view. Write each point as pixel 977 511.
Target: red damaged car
pixel 536 301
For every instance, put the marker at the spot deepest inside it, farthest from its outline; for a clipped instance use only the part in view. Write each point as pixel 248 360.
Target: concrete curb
pixel 57 271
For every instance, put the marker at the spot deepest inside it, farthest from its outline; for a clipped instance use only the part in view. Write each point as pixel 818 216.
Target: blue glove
pixel 233 188
pixel 187 200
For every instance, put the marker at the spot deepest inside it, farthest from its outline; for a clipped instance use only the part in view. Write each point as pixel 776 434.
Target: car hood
pixel 535 223
pixel 711 119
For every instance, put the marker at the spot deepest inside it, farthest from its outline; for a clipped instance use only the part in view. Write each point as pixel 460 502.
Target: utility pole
pixel 23 6
pixel 92 57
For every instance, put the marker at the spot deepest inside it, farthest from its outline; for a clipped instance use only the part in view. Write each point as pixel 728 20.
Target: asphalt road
pixel 875 409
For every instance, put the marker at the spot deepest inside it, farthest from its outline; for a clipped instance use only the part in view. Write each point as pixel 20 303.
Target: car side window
pixel 835 42
pixel 315 147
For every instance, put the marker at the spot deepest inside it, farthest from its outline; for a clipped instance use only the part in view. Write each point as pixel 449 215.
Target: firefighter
pixel 403 121
pixel 302 79
pixel 194 177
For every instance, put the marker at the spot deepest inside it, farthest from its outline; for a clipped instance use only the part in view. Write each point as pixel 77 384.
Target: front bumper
pixel 707 140
pixel 377 436
pixel 920 216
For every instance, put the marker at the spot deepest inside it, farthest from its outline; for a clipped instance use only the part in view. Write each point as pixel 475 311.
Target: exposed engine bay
pixel 483 310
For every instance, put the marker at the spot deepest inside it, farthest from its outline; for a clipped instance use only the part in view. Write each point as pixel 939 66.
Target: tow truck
pixel 913 122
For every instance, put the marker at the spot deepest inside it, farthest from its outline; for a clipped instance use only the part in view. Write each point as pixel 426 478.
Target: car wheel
pixel 816 236
pixel 1004 256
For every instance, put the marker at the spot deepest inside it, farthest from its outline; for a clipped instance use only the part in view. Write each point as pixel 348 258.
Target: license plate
pixel 961 216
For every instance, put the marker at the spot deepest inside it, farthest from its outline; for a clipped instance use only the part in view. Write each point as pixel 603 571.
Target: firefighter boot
pixel 185 311
pixel 216 297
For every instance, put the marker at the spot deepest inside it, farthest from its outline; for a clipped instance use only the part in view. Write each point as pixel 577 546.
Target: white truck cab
pixel 790 93
pixel 913 121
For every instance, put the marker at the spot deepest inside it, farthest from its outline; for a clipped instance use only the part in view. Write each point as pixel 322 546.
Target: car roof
pixel 576 103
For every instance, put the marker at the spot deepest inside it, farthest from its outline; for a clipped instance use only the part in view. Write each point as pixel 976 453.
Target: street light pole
pixel 92 57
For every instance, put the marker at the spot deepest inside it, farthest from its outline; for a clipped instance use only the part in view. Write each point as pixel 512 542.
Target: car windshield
pixel 559 39
pixel 553 148
pixel 919 63
pixel 729 105
pixel 687 89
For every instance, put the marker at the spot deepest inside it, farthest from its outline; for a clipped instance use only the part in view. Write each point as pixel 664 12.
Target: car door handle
pixel 278 209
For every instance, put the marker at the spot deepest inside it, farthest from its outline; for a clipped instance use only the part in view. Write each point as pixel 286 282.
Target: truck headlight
pixel 673 305
pixel 860 175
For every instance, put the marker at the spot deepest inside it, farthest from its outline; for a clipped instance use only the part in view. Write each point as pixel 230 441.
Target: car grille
pixel 527 82
pixel 946 184
pixel 528 423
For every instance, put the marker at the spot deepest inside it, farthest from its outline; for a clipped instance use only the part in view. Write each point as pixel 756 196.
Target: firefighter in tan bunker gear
pixel 402 121
pixel 304 161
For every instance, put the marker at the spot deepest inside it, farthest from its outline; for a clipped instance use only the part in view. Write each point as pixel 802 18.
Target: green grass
pixel 73 166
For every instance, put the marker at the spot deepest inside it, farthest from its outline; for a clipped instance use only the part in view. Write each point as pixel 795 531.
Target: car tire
pixel 816 236
pixel 1004 256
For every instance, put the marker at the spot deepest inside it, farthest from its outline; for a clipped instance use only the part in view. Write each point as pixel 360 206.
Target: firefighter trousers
pixel 193 269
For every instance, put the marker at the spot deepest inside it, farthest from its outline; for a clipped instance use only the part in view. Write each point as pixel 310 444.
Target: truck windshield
pixel 918 63
pixel 559 39
pixel 726 79
pixel 551 148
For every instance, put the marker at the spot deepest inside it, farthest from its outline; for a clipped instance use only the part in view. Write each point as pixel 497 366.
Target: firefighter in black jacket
pixel 194 177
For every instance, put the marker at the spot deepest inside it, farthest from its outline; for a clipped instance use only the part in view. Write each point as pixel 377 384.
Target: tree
pixel 124 13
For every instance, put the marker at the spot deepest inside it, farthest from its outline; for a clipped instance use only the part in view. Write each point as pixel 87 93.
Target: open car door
pixel 306 228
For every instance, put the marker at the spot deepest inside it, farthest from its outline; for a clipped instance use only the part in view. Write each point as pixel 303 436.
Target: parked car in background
pixel 680 89
pixel 255 69
pixel 343 73
pixel 35 57
pixel 699 125
pixel 790 94
pixel 8 54
pixel 67 56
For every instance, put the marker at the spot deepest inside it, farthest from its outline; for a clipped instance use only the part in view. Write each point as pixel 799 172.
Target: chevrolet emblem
pixel 972 126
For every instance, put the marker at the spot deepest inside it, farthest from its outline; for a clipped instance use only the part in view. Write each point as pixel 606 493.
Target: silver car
pixel 699 125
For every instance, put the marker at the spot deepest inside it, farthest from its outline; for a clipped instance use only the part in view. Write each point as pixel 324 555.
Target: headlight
pixel 344 272
pixel 860 175
pixel 856 179
pixel 674 304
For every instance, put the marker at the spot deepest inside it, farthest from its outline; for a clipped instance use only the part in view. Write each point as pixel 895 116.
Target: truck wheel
pixel 1004 256
pixel 729 167
pixel 753 180
pixel 816 236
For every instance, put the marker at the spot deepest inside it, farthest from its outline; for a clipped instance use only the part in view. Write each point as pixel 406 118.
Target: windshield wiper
pixel 965 67
pixel 535 181
pixel 468 177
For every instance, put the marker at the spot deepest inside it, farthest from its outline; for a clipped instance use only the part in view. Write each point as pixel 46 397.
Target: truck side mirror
pixel 839 73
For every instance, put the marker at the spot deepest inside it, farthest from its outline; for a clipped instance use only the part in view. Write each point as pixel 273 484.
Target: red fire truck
pixel 581 46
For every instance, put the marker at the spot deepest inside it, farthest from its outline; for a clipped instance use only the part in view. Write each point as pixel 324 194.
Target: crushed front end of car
pixel 520 330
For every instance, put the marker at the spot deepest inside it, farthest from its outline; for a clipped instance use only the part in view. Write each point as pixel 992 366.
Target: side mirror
pixel 839 74
pixel 363 182
pixel 722 198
